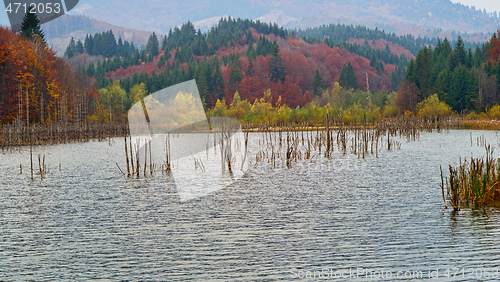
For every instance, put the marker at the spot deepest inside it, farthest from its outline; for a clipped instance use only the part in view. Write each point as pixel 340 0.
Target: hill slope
pixel 420 17
pixel 59 31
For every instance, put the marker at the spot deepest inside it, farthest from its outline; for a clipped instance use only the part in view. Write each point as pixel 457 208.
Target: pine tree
pixel 152 47
pixel 31 26
pixel 460 50
pixel 276 66
pixel 318 84
pixel 70 50
pixel 348 77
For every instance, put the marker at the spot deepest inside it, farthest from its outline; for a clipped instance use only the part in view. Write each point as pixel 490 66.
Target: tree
pixel 432 107
pixel 348 77
pixel 152 47
pixel 70 50
pixel 423 66
pixel 276 65
pixel 137 93
pixel 318 84
pixel 235 73
pixel 113 99
pixel 460 51
pixel 31 26
pixel 407 97
pixel 462 89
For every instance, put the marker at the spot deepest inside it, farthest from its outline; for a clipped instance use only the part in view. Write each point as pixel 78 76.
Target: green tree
pixel 462 89
pixel 348 78
pixel 217 80
pixel 318 84
pixel 31 26
pixel 423 71
pixel 152 47
pixel 70 50
pixel 235 73
pixel 276 65
pixel 460 51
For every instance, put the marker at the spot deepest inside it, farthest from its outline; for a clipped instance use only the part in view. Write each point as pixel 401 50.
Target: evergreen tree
pixel 120 51
pixel 152 47
pixel 276 65
pixel 89 45
pixel 79 47
pixel 348 77
pixel 235 73
pixel 218 80
pixel 318 84
pixel 460 51
pixel 423 68
pixel 31 26
pixel 70 50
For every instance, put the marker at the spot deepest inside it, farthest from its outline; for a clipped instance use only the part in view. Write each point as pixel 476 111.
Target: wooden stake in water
pixel 442 187
pixel 131 155
pixel 126 157
pixel 31 160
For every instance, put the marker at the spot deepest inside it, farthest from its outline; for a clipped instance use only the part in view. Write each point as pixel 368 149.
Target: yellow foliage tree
pixel 137 93
pixel 390 108
pixel 432 108
pixel 494 112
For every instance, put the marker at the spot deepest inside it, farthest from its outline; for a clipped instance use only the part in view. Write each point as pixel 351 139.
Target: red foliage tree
pixel 407 97
pixel 289 91
pixel 493 53
pixel 250 88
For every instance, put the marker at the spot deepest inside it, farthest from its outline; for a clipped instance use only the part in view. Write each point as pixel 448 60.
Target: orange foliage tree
pixel 38 87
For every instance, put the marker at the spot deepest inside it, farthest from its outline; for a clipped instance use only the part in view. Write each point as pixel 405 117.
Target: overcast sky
pixel 489 5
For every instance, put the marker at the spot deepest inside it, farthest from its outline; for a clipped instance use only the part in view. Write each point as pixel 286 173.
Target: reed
pixel 475 183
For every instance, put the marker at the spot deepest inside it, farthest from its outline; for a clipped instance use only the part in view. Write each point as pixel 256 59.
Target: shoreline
pixel 19 135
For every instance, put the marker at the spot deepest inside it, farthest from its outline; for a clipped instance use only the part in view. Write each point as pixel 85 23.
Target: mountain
pixel 416 17
pixel 59 31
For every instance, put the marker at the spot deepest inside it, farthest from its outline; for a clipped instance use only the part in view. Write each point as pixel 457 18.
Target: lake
pixel 338 218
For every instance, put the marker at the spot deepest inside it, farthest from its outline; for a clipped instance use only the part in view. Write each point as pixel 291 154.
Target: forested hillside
pixel 248 57
pixel 246 60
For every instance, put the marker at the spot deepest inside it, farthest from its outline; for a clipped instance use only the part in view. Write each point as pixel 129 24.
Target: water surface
pixel 87 221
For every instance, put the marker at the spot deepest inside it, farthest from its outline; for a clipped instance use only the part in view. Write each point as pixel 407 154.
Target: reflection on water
pixel 87 221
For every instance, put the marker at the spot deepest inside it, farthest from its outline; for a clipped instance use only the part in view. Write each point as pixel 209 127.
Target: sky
pixel 489 5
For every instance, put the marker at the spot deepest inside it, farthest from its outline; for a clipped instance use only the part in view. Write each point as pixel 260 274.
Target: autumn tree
pixel 407 97
pixel 113 99
pixel 432 108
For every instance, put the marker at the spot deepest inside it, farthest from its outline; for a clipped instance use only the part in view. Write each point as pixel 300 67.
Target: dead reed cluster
pixel 474 183
pixel 141 159
pixel 137 167
pixel 284 145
